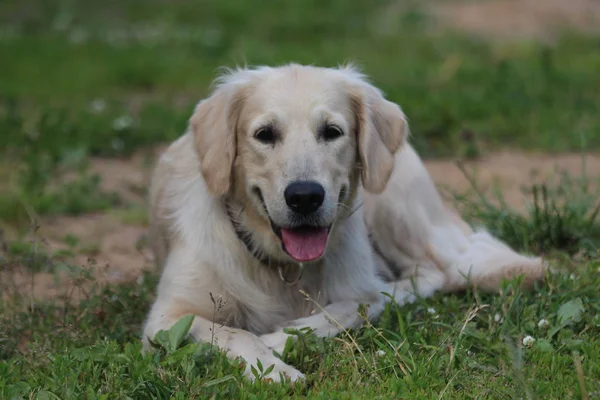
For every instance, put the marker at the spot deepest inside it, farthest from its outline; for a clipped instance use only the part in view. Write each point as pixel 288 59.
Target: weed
pixel 560 216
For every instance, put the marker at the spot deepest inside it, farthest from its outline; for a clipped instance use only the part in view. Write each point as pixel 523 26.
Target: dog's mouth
pixel 304 243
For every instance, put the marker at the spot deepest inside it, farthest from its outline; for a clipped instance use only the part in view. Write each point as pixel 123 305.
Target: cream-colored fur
pixel 390 231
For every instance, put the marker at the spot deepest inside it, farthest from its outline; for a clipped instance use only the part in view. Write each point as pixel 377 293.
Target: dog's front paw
pixel 285 372
pixel 280 372
pixel 276 341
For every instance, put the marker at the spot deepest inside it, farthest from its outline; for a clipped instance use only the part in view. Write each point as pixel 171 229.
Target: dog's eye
pixel 265 135
pixel 332 132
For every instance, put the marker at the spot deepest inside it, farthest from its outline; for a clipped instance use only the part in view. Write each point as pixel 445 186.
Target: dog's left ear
pixel 381 130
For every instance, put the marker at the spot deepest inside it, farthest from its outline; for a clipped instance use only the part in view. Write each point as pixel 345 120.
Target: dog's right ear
pixel 213 125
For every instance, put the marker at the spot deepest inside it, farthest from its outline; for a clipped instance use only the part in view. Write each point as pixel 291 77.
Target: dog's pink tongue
pixel 305 244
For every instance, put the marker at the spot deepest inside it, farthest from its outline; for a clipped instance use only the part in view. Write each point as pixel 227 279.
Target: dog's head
pixel 290 145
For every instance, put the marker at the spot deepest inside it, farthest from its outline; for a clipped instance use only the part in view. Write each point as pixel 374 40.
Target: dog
pixel 298 182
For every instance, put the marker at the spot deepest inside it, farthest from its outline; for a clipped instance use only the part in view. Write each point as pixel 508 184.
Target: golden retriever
pixel 298 182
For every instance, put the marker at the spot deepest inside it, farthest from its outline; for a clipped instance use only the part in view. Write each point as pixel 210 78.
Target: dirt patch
pixel 117 248
pixel 20 283
pixel 510 172
pixel 114 250
pixel 541 19
pixel 103 248
pixel 127 178
pixel 108 251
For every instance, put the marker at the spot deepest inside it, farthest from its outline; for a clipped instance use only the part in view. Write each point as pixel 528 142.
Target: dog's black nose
pixel 304 197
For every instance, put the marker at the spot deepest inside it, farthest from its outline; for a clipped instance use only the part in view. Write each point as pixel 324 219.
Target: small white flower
pixel 470 353
pixel 78 36
pixel 118 144
pixel 123 122
pixel 497 318
pixel 431 310
pixel 572 277
pixel 528 341
pixel 543 323
pixel 380 353
pixel 97 106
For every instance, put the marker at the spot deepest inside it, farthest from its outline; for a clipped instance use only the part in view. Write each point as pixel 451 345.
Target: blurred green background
pixel 62 61
pixel 107 78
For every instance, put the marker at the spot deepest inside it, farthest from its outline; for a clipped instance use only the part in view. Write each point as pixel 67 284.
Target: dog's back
pixel 423 242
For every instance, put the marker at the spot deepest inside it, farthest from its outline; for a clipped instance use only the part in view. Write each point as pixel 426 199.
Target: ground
pixel 520 18
pixel 120 253
pixel 501 96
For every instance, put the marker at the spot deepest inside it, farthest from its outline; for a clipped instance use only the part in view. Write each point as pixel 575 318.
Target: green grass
pixel 107 79
pixel 561 216
pixel 91 78
pixel 458 346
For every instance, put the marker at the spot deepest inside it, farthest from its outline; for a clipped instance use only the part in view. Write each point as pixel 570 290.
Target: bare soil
pixel 511 172
pixel 511 19
pixel 114 250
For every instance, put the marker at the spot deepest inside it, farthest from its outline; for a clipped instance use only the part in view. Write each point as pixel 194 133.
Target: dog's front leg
pixel 330 321
pixel 235 342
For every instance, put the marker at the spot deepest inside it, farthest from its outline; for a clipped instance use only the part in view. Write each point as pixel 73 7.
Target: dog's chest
pixel 299 295
pixel 291 298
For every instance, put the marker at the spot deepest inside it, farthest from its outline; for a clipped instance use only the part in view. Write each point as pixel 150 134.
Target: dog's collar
pixel 244 237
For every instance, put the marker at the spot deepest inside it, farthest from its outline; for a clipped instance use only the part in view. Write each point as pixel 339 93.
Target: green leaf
pixel 218 381
pixel 161 339
pixel 45 395
pixel 179 331
pixel 94 353
pixel 570 312
pixel 121 359
pixel 545 346
pixel 18 390
pixel 573 344
pixel 254 372
pixel 269 369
